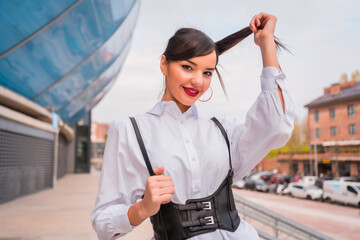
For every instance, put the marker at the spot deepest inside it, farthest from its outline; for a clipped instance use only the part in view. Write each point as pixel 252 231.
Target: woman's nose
pixel 197 80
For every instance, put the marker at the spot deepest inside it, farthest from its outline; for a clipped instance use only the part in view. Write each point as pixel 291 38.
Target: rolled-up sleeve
pixel 121 184
pixel 266 125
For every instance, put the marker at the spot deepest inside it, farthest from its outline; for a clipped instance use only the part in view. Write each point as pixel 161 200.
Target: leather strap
pixel 225 136
pixel 146 157
pixel 142 146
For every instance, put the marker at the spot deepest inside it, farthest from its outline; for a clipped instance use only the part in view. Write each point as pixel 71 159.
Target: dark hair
pixel 190 42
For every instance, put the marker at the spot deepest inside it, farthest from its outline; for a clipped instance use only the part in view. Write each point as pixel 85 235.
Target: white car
pixel 342 191
pixel 301 190
pixel 239 184
pixel 308 180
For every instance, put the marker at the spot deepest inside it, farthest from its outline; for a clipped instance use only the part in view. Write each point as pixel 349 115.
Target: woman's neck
pixel 183 108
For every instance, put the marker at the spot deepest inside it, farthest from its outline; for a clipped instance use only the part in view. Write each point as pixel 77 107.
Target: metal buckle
pixel 211 222
pixel 207 205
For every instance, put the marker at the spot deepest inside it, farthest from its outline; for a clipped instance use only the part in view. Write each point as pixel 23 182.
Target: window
pixel 344 169
pixel 295 168
pixel 333 131
pixel 351 111
pixel 332 114
pixel 351 189
pixel 352 129
pixel 307 168
pixel 317 132
pixel 316 116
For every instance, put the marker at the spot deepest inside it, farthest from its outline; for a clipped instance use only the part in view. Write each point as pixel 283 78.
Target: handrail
pixel 278 226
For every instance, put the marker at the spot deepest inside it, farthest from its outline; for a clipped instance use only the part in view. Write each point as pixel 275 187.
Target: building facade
pixel 334 129
pixel 98 139
pixel 334 136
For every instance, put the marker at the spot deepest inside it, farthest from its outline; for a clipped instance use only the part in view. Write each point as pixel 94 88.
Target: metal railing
pixel 273 226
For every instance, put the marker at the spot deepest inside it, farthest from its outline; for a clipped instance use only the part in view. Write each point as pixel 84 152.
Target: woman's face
pixel 187 80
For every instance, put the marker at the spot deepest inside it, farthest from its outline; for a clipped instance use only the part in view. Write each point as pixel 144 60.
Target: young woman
pixel 177 168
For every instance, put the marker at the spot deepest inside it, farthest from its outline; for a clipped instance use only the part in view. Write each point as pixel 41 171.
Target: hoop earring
pixel 209 97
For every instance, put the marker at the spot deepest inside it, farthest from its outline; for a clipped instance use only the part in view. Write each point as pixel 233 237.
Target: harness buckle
pixel 211 220
pixel 207 205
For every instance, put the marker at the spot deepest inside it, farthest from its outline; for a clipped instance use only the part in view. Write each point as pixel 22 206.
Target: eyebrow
pixel 196 65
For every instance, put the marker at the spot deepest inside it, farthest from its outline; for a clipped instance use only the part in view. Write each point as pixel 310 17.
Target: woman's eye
pixel 208 73
pixel 186 67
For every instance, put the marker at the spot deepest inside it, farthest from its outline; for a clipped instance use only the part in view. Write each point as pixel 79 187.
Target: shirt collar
pixel 171 107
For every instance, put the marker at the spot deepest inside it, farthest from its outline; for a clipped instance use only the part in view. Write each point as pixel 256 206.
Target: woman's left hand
pixel 263 27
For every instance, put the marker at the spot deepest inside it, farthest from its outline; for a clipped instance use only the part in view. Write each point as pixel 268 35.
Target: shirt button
pixel 193 159
pixel 187 141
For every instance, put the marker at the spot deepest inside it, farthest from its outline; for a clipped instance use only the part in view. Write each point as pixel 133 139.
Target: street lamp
pixel 315 147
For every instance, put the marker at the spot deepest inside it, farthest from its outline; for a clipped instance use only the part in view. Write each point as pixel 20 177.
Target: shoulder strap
pixel 225 136
pixel 142 146
pixel 146 157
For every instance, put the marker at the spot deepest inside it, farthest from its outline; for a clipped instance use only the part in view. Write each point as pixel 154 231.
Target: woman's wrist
pixel 267 40
pixel 137 213
pixel 268 53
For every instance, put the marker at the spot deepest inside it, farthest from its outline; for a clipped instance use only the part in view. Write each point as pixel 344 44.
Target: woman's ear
pixel 163 65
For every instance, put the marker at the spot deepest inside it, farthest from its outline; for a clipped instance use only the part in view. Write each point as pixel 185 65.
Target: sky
pixel 323 36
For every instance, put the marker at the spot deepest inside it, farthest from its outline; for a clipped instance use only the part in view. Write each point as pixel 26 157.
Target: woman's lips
pixel 191 91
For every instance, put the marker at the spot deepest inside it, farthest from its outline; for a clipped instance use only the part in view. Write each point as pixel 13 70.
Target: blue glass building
pixel 55 57
pixel 64 55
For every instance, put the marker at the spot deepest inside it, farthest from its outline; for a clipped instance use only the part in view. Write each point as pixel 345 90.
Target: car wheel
pixel 328 200
pixel 290 194
pixel 308 197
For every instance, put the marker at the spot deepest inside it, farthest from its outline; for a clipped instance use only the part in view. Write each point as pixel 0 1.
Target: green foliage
pixel 298 142
pixel 294 149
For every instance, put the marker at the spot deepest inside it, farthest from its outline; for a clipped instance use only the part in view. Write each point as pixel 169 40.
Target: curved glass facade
pixel 64 55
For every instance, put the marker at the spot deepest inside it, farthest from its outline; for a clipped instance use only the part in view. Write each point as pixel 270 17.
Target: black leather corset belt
pixel 196 216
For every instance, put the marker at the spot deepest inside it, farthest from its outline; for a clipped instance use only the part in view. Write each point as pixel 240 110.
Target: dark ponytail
pixel 228 42
pixel 189 42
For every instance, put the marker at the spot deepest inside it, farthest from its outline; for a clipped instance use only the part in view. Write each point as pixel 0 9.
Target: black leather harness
pixel 197 216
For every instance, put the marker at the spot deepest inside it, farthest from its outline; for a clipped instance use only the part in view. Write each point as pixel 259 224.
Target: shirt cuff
pixel 271 78
pixel 120 222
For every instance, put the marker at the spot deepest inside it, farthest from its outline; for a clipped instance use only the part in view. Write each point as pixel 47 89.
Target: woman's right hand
pixel 158 190
pixel 263 27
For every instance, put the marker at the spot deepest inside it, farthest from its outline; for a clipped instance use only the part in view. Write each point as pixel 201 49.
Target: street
pixel 63 213
pixel 334 220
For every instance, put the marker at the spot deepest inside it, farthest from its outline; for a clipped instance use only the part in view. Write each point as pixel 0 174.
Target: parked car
pixel 257 182
pixel 345 179
pixel 302 190
pixel 261 185
pixel 320 181
pixel 275 178
pixel 308 180
pixel 345 192
pixel 239 184
pixel 279 182
pixel 265 175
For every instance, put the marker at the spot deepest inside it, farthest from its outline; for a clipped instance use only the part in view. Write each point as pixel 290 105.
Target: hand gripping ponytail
pixel 230 41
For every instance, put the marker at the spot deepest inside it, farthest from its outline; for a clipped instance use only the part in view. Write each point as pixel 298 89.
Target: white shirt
pixel 193 152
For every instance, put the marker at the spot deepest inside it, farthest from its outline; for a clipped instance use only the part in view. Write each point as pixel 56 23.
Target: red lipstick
pixel 191 91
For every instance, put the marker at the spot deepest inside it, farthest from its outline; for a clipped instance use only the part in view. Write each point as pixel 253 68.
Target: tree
pixel 295 136
pixel 355 76
pixel 343 78
pixel 304 131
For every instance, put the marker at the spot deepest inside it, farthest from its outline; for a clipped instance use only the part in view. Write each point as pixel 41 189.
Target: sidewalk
pixel 61 213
